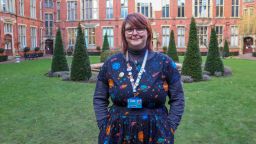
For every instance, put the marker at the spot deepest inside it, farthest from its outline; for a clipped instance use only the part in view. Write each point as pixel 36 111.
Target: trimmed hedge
pixel 192 60
pixel 213 62
pixel 106 54
pixel 80 68
pixel 3 58
pixel 254 54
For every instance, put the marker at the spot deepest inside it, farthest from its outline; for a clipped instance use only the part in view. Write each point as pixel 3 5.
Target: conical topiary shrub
pixel 59 61
pixel 105 45
pixel 172 51
pixel 226 49
pixel 192 61
pixel 213 61
pixel 80 69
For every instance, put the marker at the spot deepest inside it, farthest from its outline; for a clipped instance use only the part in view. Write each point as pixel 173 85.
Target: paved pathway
pixel 247 56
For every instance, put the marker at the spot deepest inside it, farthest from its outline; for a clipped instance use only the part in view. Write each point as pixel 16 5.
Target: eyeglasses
pixel 138 30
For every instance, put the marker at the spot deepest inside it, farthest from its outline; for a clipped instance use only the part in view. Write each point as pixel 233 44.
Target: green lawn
pixel 36 109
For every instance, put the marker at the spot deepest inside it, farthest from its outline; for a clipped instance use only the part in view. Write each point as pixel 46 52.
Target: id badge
pixel 134 102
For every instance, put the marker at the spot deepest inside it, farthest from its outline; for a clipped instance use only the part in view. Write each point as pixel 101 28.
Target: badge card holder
pixel 134 102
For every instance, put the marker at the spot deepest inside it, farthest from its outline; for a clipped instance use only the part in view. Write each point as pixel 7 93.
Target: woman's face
pixel 135 37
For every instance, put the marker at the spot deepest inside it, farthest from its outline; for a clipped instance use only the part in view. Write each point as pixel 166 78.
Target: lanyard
pixel 142 69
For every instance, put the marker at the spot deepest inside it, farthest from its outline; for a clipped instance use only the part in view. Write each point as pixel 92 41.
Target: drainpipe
pixel 17 37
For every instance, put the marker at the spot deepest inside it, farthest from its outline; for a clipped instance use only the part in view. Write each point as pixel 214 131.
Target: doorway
pixel 8 44
pixel 49 46
pixel 248 43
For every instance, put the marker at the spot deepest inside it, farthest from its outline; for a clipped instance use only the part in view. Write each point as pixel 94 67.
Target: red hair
pixel 137 20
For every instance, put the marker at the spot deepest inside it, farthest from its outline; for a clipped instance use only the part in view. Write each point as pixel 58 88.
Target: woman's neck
pixel 137 52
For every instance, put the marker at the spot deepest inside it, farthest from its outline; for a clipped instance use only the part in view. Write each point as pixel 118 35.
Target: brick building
pixel 98 17
pixel 21 25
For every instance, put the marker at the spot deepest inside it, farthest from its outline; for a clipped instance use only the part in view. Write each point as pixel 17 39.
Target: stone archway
pixel 8 44
pixel 248 45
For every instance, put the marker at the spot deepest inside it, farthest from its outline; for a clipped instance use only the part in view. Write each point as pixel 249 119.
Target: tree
pixel 105 46
pixel 59 61
pixel 213 61
pixel 226 49
pixel 193 60
pixel 172 51
pixel 80 69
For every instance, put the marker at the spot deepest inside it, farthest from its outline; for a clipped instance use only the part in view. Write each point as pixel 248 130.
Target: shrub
pixel 3 58
pixel 164 49
pixel 105 45
pixel 59 61
pixel 37 49
pixel 213 61
pixel 1 50
pixel 26 49
pixel 193 60
pixel 172 51
pixel 254 54
pixel 225 52
pixel 98 48
pixel 80 69
pixel 106 54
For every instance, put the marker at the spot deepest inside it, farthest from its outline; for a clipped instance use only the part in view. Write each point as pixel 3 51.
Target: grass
pixel 36 109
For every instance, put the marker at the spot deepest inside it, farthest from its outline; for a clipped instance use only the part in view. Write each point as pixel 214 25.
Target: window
pixel 251 11
pixel 202 8
pixel 166 36
pixel 145 9
pixel 235 8
pixel 41 11
pixel 7 28
pixel 33 8
pixel 22 36
pixel 109 9
pixel 234 36
pixel 48 24
pixel 219 33
pixel 58 11
pixel 8 6
pixel 181 10
pixel 181 36
pixel 89 34
pixel 72 7
pixel 72 32
pixel 89 9
pixel 21 12
pixel 202 36
pixel 165 8
pixel 48 3
pixel 110 33
pixel 41 37
pixel 245 12
pixel 33 37
pixel 219 8
pixel 124 8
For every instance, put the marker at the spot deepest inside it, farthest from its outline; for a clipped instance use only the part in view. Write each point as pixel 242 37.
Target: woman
pixel 138 81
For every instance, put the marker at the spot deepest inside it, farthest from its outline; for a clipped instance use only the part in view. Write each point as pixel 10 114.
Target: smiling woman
pixel 138 80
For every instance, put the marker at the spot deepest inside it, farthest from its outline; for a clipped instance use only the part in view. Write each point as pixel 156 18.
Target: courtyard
pixel 37 109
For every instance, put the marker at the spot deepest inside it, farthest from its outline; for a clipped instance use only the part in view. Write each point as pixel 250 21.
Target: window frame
pixel 181 36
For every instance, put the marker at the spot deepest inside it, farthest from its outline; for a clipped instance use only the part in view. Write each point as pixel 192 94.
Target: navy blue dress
pixel 151 124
